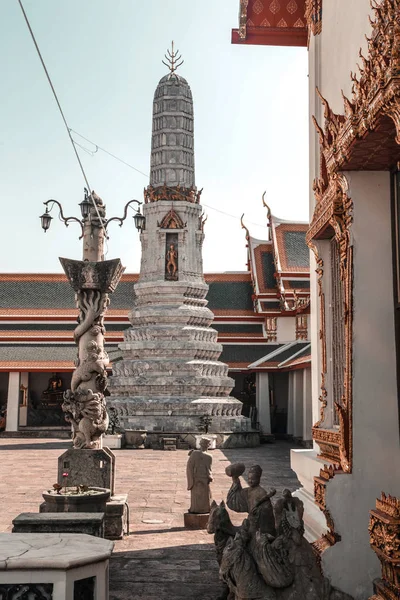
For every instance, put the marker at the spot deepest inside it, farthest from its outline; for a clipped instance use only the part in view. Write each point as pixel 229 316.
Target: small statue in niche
pixel 199 477
pixel 172 266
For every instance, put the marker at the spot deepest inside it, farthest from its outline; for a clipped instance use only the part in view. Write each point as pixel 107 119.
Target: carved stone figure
pixel 253 499
pixel 172 267
pixel 84 404
pixel 199 477
pixel 257 565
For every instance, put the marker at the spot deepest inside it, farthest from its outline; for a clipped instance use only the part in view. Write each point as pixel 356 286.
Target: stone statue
pixel 172 266
pixel 253 499
pixel 256 565
pixel 199 477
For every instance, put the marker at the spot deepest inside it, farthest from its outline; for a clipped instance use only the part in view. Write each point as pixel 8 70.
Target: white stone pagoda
pixel 170 376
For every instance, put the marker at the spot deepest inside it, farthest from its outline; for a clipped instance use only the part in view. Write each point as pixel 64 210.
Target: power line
pixel 107 152
pixel 93 152
pixel 61 113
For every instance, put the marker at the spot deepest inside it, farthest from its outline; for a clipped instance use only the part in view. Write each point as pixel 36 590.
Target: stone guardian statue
pixel 199 477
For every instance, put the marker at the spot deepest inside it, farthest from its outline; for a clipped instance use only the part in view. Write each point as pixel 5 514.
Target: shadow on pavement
pixel 39 446
pixel 173 573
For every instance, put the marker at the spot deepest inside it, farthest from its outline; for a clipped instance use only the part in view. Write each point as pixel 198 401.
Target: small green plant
pixel 205 422
pixel 114 425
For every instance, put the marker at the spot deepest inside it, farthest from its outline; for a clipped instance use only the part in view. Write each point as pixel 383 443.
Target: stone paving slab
pixel 157 561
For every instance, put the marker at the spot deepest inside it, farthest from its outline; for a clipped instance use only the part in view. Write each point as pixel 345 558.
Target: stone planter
pixel 208 436
pixel 135 438
pixel 113 440
pixel 85 502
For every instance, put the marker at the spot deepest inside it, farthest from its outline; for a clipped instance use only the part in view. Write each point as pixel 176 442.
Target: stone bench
pixel 72 522
pixel 54 566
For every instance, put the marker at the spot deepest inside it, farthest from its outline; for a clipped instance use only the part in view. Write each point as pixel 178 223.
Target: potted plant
pixel 113 436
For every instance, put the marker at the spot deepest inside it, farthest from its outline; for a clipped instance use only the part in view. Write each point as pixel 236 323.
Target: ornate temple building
pixel 264 334
pixel 351 479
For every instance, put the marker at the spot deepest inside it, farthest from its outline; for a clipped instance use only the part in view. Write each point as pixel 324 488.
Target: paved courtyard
pixel 160 559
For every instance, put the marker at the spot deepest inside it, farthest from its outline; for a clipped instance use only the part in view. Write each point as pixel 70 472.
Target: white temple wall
pixel 344 25
pixel 12 420
pixel 375 409
pixel 286 330
pixel 333 54
pixel 262 401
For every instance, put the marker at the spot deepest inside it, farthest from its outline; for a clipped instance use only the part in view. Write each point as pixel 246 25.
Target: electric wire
pixel 63 116
pixel 124 162
pixel 74 143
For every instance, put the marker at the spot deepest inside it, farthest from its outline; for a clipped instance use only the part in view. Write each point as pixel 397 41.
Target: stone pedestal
pixel 208 436
pixel 135 438
pixel 70 522
pixel 196 521
pixel 113 441
pixel 117 517
pixel 87 467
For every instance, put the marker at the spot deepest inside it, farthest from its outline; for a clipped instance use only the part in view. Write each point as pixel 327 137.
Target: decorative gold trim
pixel 313 16
pixel 384 532
pixel 301 327
pixel 243 19
pixel 171 221
pixel 271 328
pixel 375 95
pixel 329 538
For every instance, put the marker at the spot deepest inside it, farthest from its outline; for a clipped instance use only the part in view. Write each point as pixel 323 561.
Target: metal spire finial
pixel 173 59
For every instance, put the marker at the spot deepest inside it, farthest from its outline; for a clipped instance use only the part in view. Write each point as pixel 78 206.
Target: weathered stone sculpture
pixel 92 279
pixel 253 499
pixel 256 565
pixel 199 477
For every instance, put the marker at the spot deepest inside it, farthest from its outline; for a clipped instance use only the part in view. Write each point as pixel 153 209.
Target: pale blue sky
pixel 104 57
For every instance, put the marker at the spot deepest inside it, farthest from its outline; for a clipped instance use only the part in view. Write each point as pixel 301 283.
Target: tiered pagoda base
pixel 170 376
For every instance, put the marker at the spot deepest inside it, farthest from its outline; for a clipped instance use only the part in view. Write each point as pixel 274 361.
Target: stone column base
pixel 307 465
pixel 196 520
pixel 116 523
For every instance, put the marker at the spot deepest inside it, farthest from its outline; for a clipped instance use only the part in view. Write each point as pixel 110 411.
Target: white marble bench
pixel 53 565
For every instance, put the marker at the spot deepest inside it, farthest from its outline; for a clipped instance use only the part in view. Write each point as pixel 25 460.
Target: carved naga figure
pixel 84 404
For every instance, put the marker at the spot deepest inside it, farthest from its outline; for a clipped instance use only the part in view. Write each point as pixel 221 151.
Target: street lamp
pixel 93 222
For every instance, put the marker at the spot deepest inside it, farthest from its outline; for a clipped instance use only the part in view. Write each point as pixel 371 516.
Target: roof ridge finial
pixel 173 59
pixel 269 215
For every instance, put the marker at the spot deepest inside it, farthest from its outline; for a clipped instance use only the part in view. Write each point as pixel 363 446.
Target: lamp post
pixel 93 223
pixel 93 279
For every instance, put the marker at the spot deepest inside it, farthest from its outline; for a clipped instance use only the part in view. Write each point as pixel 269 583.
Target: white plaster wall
pixel 286 329
pixel 290 414
pixel 375 410
pixel 344 25
pixel 13 402
pixel 262 401
pixel 307 405
pixel 298 403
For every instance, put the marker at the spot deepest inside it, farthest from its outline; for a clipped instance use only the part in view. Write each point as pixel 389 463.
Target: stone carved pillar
pixel 384 531
pixel 92 279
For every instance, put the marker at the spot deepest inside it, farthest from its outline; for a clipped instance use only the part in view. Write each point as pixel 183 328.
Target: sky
pixel 104 58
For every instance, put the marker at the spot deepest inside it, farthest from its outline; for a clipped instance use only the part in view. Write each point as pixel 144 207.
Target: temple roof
pixel 37 319
pixel 280 267
pixel 271 22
